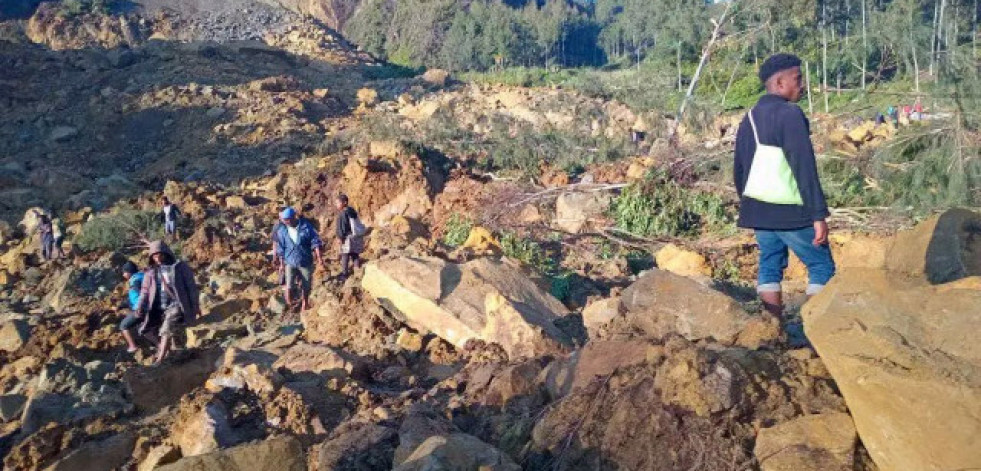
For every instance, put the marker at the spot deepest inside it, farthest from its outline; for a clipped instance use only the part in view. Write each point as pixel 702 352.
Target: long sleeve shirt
pixel 344 222
pixel 297 253
pixel 780 124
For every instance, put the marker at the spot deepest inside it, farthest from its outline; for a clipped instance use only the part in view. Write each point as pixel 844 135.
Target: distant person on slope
pixel 350 234
pixel 297 246
pixel 168 215
pixel 134 283
pixel 46 229
pixel 168 295
pixel 57 232
pixel 776 177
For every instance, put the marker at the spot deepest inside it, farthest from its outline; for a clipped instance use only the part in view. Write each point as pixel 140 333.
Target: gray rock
pixel 14 334
pixel 62 133
pixel 110 453
pixel 11 405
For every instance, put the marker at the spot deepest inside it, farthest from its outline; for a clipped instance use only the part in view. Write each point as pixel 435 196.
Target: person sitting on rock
pixel 168 216
pixel 168 294
pixel 134 282
pixel 776 176
pixel 352 243
pixel 46 230
pixel 297 246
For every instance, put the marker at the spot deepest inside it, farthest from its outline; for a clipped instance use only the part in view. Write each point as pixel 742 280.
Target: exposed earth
pixel 433 356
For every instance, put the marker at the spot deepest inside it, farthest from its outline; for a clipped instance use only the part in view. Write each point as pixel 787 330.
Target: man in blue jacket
pixel 802 227
pixel 297 246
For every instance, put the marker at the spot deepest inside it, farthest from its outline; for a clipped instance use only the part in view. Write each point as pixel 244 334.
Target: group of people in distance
pixel 163 298
pixel 901 114
pixel 775 174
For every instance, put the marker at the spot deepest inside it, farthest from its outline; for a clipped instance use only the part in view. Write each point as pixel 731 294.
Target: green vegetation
pixel 123 230
pixel 510 145
pixel 661 207
pixel 80 7
pixel 532 254
pixel 457 230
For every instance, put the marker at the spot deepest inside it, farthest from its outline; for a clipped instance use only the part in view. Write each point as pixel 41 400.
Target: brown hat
pixel 158 246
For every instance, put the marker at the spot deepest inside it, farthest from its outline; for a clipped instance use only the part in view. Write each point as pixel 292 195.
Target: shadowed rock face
pixel 943 248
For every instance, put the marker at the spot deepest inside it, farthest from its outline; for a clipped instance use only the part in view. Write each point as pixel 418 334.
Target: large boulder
pixel 320 359
pixel 14 334
pixel 282 453
pixel 69 392
pixel 943 248
pixel 154 388
pixel 203 427
pixel 356 445
pixel 248 369
pixel 905 355
pixel 110 453
pixel 660 303
pixel 483 299
pixel 454 452
pixel 682 262
pixel 597 359
pixel 574 210
pixel 820 442
pixel 75 284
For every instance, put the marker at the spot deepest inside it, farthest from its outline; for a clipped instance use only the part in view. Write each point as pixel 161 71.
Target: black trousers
pixel 346 260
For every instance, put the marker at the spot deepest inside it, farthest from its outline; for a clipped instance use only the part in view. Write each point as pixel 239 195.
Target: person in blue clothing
pixel 297 247
pixel 777 122
pixel 134 281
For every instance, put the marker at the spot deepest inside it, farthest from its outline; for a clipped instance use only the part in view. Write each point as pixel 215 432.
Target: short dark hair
pixel 776 63
pixel 342 198
pixel 130 267
pixel 165 199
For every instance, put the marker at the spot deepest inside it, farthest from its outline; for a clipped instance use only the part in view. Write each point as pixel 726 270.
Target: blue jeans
pixel 129 322
pixel 774 257
pixel 170 227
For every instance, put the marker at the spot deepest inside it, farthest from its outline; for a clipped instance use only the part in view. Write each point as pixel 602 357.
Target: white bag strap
pixel 752 123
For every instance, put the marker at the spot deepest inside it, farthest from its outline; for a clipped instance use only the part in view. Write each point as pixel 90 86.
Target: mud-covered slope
pixel 83 126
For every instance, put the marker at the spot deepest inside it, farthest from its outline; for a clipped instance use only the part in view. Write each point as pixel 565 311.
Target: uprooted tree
pixel 123 230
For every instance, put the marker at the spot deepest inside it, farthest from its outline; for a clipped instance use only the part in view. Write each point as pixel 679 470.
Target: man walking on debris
pixel 350 233
pixel 297 244
pixel 168 295
pixel 168 215
pixel 134 283
pixel 776 177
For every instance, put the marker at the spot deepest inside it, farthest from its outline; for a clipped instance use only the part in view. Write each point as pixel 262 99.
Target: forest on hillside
pixel 855 41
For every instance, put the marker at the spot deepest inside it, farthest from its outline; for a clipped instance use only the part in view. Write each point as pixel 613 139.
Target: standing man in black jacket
pixel 351 243
pixel 777 122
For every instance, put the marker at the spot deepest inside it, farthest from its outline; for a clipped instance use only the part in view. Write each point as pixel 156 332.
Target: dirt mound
pixel 682 408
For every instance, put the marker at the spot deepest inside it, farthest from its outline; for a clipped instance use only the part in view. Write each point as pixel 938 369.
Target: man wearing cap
pixel 776 176
pixel 297 245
